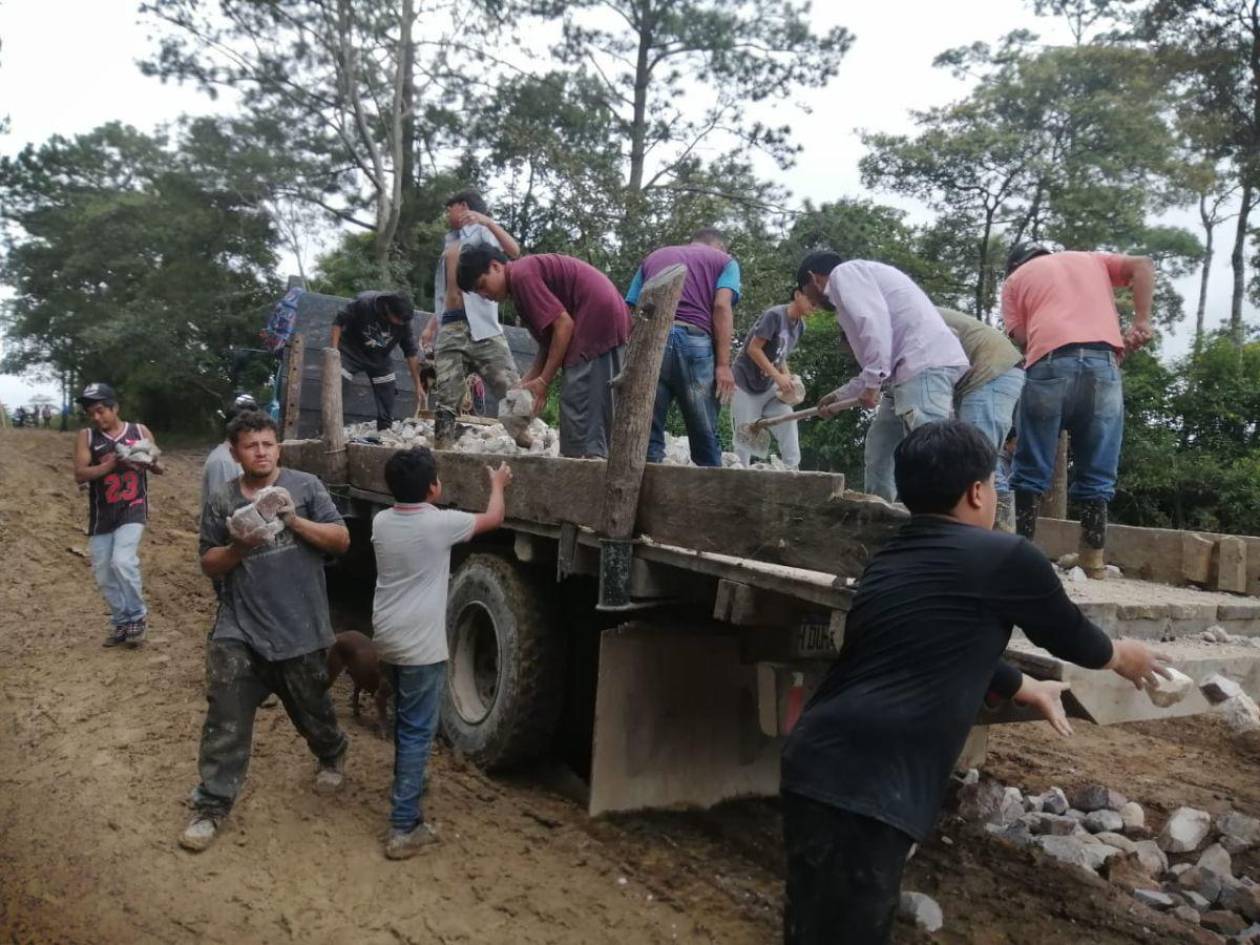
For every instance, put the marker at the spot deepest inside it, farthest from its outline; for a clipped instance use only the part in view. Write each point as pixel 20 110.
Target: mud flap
pixel 676 722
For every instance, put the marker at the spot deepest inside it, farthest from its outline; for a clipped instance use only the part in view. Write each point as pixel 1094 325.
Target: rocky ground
pixel 98 750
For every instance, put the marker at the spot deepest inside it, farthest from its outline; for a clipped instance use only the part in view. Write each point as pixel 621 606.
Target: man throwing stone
pixel 900 342
pixel 272 630
pixel 118 508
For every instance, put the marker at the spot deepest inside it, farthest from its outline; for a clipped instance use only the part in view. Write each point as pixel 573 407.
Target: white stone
pixel 1240 714
pixel 1152 858
pixel 1217 688
pixel 1103 821
pixel 1133 816
pixel 1117 840
pixel 1217 859
pixel 1077 576
pixel 1186 914
pixel 1185 831
pixel 1238 831
pixel 1054 801
pixel 1094 797
pixel 1154 898
pixel 1168 691
pixel 1076 852
pixel 922 910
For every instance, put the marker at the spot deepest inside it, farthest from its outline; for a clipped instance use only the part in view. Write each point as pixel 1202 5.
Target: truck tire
pixel 505 678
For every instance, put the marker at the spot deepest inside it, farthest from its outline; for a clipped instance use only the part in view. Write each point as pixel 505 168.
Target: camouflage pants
pixel 458 355
pixel 237 681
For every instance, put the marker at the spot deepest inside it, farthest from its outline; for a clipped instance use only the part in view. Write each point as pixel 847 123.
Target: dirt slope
pixel 98 753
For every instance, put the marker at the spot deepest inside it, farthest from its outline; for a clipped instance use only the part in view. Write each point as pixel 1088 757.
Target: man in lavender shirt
pixel 901 344
pixel 696 369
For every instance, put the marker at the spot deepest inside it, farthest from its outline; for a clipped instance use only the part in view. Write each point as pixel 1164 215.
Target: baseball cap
pixel 98 393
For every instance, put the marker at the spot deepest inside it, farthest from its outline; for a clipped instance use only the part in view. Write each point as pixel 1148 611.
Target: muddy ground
pixel 98 752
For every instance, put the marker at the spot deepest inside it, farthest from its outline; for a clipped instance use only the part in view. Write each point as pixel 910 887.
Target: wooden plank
pixel 332 423
pixel 306 455
pixel 1054 503
pixel 635 392
pixel 294 358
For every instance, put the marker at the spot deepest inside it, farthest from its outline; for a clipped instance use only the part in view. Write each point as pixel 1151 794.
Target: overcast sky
pixel 70 65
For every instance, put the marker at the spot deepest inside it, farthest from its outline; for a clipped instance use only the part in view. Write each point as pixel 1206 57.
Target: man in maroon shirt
pixel 580 322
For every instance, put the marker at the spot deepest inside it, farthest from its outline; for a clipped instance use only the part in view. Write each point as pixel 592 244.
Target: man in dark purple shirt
pixel 696 369
pixel 580 323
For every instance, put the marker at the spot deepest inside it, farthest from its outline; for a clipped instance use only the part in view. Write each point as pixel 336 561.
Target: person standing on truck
pixel 986 396
pixel 865 769
pixel 901 344
pixel 272 630
pixel 1061 309
pixel 696 368
pixel 469 337
pixel 366 332
pixel 118 509
pixel 763 380
pixel 580 322
pixel 413 542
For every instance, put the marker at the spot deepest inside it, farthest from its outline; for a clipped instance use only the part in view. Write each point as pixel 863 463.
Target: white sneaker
pixel 199 833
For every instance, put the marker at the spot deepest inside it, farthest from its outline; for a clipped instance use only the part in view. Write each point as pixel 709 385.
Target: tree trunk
pixel 1209 231
pixel 642 79
pixel 408 210
pixel 1238 260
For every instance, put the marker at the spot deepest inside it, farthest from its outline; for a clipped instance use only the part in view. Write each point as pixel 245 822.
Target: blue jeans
pixel 417 696
pixel 1079 390
pixel 927 396
pixel 688 376
pixel 116 567
pixel 991 410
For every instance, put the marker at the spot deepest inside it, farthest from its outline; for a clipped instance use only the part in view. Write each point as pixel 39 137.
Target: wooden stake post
pixel 295 359
pixel 634 396
pixel 1054 503
pixel 332 423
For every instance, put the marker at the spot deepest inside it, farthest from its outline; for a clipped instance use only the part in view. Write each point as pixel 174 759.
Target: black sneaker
pixel 136 632
pixel 117 635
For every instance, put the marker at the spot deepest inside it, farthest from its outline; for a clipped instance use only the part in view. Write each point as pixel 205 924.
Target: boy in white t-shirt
pixel 413 541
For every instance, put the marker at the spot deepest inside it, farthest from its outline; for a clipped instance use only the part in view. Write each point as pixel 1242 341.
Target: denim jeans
pixel 116 567
pixel 991 410
pixel 927 396
pixel 688 375
pixel 1079 390
pixel 417 697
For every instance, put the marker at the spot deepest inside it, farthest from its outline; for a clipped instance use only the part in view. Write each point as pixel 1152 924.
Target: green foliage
pixel 136 263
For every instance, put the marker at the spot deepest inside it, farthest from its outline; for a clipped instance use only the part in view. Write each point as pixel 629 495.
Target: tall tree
pixel 345 88
pixel 1212 47
pixel 651 55
pixel 134 261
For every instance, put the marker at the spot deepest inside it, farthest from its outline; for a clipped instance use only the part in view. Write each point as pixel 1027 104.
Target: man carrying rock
pixel 986 396
pixel 580 322
pixel 696 368
pixel 272 630
pixel 865 769
pixel 1060 307
pixel 900 342
pixel 118 509
pixel 366 332
pixel 469 337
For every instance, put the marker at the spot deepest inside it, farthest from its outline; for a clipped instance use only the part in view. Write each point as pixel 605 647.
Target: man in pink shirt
pixel 581 324
pixel 1060 308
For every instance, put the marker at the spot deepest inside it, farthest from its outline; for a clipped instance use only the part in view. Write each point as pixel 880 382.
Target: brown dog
pixel 356 654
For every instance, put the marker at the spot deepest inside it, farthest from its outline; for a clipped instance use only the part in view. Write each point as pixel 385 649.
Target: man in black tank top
pixel 118 508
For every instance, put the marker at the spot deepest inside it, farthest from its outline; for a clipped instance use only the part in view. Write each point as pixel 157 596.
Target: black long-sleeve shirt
pixel 922 646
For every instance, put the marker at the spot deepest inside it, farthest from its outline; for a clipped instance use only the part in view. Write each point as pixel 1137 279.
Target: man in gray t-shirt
pixel 272 630
pixel 762 375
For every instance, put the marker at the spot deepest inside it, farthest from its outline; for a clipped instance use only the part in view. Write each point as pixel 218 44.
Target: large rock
pixel 1153 859
pixel 1103 821
pixel 1128 872
pixel 1094 797
pixel 1222 922
pixel 1133 817
pixel 1206 883
pixel 1076 852
pixel 1217 688
pixel 1052 824
pixel 1243 898
pixel 1216 858
pixel 1238 831
pixel 922 910
pixel 1054 801
pixel 1154 898
pixel 1186 829
pixel 1016 833
pixel 1240 713
pixel 988 802
pixel 1120 842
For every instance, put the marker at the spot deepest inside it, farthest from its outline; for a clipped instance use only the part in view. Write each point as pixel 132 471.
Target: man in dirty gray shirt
pixel 272 630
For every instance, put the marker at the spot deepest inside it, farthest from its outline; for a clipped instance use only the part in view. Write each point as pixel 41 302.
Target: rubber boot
pixel 1026 513
pixel 1093 539
pixel 443 428
pixel 1004 521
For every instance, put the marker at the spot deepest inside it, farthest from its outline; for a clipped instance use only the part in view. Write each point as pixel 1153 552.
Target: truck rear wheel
pixel 505 684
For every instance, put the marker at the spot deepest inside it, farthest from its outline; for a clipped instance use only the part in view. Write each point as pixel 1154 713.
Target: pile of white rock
pixel 1186 869
pixel 494 438
pixel 140 453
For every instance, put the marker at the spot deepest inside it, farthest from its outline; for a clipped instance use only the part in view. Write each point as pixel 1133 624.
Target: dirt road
pixel 98 752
